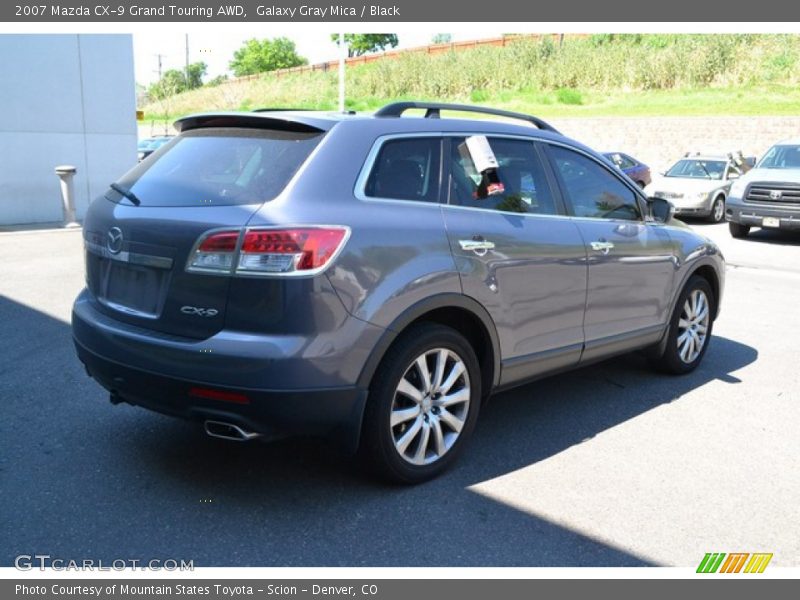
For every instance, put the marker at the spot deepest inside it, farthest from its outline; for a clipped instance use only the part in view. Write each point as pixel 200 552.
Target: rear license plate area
pixel 133 289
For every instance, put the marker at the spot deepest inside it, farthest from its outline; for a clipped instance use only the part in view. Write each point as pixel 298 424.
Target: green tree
pixel 442 38
pixel 194 75
pixel 259 56
pixel 175 81
pixel 364 43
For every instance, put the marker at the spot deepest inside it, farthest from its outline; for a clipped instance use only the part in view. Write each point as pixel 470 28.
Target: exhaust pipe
pixel 229 431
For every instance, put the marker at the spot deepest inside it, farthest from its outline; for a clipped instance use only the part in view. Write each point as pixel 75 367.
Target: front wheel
pixel 689 329
pixel 423 403
pixel 738 230
pixel 717 214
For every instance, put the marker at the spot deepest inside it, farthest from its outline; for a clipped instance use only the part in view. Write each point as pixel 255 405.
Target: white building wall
pixel 64 99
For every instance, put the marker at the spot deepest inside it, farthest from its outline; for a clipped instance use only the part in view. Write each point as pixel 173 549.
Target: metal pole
pixel 342 54
pixel 66 173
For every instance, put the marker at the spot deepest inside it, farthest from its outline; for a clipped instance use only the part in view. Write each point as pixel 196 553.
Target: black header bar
pixel 400 11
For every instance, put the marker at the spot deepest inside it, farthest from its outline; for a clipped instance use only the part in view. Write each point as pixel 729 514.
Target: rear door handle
pixel 602 246
pixel 479 246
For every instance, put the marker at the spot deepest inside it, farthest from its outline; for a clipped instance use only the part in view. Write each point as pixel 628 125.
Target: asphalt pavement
pixel 611 465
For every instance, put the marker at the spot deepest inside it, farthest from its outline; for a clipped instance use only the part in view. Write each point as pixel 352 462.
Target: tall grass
pixel 566 73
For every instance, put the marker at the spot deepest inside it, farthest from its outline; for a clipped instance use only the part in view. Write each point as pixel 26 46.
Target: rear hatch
pixel 140 235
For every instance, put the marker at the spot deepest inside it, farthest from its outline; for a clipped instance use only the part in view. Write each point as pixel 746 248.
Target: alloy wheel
pixel 430 406
pixel 693 326
pixel 719 210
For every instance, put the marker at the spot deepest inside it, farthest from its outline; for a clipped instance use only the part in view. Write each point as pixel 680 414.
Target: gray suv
pixel 373 279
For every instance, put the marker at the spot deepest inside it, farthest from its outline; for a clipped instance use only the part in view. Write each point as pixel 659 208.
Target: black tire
pixel 738 230
pixel 377 448
pixel 712 216
pixel 669 360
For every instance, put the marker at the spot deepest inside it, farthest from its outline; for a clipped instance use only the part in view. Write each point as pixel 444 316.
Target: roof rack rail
pixel 287 109
pixel 433 110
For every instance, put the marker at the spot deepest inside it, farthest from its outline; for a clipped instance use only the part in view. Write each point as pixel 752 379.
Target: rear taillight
pixel 289 250
pixel 215 252
pixel 268 251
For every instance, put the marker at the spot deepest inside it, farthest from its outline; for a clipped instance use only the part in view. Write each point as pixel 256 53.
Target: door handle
pixel 602 246
pixel 479 246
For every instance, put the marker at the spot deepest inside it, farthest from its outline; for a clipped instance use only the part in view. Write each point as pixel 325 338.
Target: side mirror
pixel 733 175
pixel 661 210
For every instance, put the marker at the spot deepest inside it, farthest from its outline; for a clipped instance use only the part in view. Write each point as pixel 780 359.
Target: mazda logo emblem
pixel 114 242
pixel 775 195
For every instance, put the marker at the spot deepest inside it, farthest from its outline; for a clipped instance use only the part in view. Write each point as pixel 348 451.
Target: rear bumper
pixel 331 413
pixel 747 214
pixel 269 384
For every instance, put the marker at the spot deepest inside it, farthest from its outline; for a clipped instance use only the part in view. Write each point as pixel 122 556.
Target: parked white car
pixel 698 185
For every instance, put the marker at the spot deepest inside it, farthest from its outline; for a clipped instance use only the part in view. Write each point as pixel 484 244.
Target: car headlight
pixel 738 187
pixel 701 195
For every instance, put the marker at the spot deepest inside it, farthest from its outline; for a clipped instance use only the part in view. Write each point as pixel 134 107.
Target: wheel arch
pixel 457 311
pixel 708 273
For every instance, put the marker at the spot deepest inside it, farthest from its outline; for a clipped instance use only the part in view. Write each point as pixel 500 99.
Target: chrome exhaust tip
pixel 229 431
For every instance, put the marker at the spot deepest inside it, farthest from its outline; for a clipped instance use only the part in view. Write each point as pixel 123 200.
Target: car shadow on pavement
pixel 774 236
pixel 92 480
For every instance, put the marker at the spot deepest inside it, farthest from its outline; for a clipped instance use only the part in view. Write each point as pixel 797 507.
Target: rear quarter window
pixel 406 169
pixel 220 167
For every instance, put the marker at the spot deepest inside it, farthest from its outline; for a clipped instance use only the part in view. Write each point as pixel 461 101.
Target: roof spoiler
pixel 261 120
pixel 433 111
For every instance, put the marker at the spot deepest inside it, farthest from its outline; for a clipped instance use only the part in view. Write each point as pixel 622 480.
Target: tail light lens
pixel 215 252
pixel 268 251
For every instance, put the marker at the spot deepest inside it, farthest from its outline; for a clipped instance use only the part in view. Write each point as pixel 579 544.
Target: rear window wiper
pixel 126 193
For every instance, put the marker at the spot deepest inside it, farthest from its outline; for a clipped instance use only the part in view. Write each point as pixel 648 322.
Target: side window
pixel 592 190
pixel 524 184
pixel 406 169
pixel 621 161
pixel 626 162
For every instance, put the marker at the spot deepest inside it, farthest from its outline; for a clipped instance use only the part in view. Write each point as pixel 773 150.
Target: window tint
pixel 592 190
pixel 524 189
pixel 625 162
pixel 620 160
pixel 218 167
pixel 406 169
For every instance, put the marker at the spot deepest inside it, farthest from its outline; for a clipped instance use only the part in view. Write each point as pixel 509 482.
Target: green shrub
pixel 545 68
pixel 569 96
pixel 479 95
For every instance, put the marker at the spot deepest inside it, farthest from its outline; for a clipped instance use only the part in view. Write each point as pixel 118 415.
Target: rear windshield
pixel 219 167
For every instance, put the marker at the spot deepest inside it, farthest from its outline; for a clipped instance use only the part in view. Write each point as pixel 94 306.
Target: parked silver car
pixel 373 279
pixel 698 184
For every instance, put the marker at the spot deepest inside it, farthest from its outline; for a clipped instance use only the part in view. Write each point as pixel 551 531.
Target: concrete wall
pixel 67 99
pixel 660 141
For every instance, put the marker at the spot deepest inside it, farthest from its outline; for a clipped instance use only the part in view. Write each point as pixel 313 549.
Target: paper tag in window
pixel 481 152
